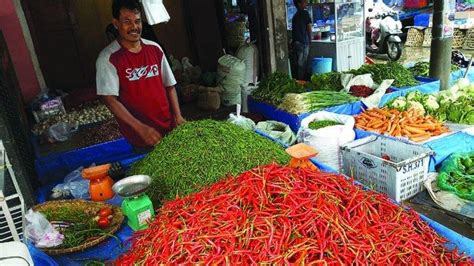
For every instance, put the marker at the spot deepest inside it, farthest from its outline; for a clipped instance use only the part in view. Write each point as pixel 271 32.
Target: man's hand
pixel 149 135
pixel 180 120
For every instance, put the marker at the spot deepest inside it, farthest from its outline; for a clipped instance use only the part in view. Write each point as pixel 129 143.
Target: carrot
pixel 420 138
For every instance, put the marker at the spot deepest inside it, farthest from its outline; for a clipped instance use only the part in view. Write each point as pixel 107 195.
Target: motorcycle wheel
pixel 394 50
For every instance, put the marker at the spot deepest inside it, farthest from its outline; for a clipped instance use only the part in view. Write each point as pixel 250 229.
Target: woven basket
pixel 458 38
pixel 415 37
pixel 469 40
pixel 427 38
pixel 88 207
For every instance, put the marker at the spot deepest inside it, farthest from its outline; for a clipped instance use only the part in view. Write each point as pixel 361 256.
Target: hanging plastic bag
pixel 74 184
pixel 327 140
pixel 241 121
pixel 41 232
pixel 61 131
pixel 277 130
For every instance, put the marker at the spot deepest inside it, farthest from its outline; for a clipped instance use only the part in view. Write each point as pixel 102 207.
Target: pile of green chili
pixel 200 153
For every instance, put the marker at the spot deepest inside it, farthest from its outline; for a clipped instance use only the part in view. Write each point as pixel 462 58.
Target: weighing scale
pixel 136 205
pixel 300 155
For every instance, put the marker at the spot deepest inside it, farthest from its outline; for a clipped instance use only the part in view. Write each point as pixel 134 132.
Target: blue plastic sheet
pixel 463 244
pixel 294 121
pixel 54 167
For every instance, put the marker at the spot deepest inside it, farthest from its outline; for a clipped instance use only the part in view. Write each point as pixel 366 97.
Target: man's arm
pixel 309 29
pixel 147 133
pixel 174 105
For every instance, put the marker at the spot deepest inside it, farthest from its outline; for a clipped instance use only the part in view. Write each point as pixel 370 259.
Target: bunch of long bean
pixel 314 100
pixel 380 72
pixel 200 153
pixel 277 215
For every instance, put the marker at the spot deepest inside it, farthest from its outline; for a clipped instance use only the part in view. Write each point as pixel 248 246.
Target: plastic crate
pixel 400 178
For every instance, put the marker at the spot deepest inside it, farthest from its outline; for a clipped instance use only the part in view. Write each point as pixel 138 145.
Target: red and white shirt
pixel 139 80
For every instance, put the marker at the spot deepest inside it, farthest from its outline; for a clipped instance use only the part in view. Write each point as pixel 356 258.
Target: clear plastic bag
pixel 62 131
pixel 41 232
pixel 75 184
pixel 241 121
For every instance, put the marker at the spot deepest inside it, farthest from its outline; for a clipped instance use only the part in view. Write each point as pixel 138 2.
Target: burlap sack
pixel 209 99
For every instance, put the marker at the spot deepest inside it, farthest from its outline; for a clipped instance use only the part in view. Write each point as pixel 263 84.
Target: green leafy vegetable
pixel 326 82
pixel 273 88
pixel 322 124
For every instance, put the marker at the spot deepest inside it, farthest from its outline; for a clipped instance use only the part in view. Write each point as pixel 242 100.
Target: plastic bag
pixel 75 184
pixel 41 232
pixel 61 131
pixel 278 130
pixel 373 100
pixel 457 175
pixel 241 121
pixel 327 140
pixel 246 92
pixel 349 80
pixel 448 200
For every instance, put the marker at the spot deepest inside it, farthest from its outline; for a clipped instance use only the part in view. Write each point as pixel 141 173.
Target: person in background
pixel 301 37
pixel 136 82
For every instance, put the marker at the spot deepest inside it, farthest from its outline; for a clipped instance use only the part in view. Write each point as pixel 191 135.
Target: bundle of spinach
pixel 200 153
pixel 273 88
pixel 326 82
pixel 392 70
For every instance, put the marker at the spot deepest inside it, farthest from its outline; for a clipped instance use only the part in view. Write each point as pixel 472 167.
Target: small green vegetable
pixel 322 124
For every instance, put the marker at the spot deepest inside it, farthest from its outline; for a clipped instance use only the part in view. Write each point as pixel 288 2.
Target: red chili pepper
pixel 277 215
pixel 361 91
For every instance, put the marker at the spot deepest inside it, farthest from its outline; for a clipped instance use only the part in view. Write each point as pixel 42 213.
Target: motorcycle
pixel 389 41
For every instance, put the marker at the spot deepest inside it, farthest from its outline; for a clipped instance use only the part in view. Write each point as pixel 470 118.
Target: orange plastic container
pixel 101 183
pixel 301 153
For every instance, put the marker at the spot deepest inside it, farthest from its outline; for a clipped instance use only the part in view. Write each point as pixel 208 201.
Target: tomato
pixel 105 212
pixel 386 157
pixel 103 222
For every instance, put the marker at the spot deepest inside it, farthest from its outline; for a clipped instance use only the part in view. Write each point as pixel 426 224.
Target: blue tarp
pixel 54 167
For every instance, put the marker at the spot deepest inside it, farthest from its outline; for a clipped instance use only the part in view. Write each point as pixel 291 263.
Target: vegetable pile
pixel 422 69
pixel 279 215
pixel 273 88
pixel 411 124
pixel 105 132
pixel 322 124
pixel 380 72
pixel 79 225
pixel 326 82
pixel 314 100
pixel 457 175
pixel 454 105
pixel 361 91
pixel 200 153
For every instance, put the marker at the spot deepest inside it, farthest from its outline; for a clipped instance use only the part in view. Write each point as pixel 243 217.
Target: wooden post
pixel 276 29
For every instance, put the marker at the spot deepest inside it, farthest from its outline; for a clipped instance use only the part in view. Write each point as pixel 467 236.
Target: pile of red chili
pixel 361 91
pixel 281 215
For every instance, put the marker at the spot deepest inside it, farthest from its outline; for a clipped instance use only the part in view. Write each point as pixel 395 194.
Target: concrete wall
pixel 11 26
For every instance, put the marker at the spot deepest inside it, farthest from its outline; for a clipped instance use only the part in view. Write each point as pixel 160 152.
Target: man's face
pixel 129 25
pixel 303 4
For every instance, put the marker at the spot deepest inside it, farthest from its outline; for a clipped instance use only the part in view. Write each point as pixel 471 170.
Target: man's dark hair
pixel 296 2
pixel 117 5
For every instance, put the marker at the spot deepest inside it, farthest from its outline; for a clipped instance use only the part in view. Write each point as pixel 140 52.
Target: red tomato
pixel 386 157
pixel 103 222
pixel 105 212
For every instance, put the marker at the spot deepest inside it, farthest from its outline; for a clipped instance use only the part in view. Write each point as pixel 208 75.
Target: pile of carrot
pixel 280 215
pixel 408 124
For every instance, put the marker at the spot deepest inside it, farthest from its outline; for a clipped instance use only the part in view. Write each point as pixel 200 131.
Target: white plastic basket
pixel 400 178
